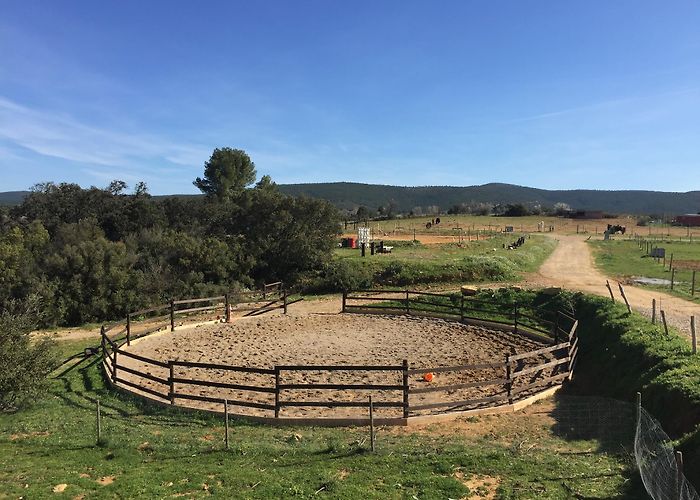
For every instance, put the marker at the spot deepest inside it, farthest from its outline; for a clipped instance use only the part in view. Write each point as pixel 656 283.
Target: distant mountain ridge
pixel 350 195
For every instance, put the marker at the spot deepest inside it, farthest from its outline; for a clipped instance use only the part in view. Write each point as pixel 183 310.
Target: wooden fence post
pixel 607 284
pixel 284 299
pixel 114 366
pixel 515 318
pixel 509 380
pixel 128 328
pixel 653 311
pixel 639 407
pixel 622 292
pixel 345 298
pixel 461 308
pixel 407 305
pixel 99 423
pixel 371 424
pixel 227 312
pixel 663 318
pixel 277 391
pixel 670 266
pixel 171 382
pixel 226 422
pixel 172 315
pixel 693 335
pixel 405 388
pixel 679 474
pixel 692 288
pixel 673 276
pixel 102 341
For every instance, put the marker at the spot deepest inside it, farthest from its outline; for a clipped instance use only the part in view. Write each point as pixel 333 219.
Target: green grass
pixel 162 452
pixel 621 354
pixel 416 264
pixel 624 259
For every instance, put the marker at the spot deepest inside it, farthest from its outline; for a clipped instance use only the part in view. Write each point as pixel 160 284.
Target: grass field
pixel 448 263
pixel 528 224
pixel 624 260
pixel 159 452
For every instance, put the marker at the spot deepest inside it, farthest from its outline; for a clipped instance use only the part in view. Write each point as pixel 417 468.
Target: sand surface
pixel 331 339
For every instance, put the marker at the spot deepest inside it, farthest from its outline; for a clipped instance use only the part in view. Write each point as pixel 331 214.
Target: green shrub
pixel 24 364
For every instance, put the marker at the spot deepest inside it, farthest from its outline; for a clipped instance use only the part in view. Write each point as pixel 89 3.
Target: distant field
pixel 451 225
pixel 625 260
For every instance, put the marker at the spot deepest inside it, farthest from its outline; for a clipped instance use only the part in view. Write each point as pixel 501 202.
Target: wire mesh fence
pixel 660 467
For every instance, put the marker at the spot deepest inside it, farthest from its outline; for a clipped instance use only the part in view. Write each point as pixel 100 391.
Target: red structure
pixel 688 220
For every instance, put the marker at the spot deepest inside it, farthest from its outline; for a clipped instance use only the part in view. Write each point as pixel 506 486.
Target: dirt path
pixel 571 266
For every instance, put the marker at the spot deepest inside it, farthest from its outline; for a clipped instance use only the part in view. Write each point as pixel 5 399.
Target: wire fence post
pixel 639 408
pixel 624 297
pixel 693 335
pixel 99 423
pixel 653 311
pixel 673 277
pixel 663 319
pixel 692 286
pixel 607 284
pixel 679 474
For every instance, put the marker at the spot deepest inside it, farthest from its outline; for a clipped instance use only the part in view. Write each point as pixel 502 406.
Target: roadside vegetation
pixel 624 260
pixel 411 263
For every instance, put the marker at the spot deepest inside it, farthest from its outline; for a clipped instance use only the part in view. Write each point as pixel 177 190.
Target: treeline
pixel 93 254
pixel 348 196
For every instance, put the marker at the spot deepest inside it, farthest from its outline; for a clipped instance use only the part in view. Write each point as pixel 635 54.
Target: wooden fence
pixel 469 310
pixel 267 392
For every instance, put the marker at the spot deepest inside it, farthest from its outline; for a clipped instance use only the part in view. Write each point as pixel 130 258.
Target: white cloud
pixel 62 136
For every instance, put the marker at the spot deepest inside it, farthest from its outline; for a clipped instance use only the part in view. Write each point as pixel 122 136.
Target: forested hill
pixel 350 195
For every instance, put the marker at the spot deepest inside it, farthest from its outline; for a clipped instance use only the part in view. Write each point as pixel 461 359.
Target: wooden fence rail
pixel 555 363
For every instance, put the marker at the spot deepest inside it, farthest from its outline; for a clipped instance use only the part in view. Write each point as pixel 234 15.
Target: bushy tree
pixel 24 363
pixel 226 173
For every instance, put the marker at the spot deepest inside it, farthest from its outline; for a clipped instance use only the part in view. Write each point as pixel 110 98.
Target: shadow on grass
pixel 609 423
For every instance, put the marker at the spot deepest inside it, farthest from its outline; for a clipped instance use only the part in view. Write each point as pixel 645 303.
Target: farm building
pixel 688 220
pixel 587 214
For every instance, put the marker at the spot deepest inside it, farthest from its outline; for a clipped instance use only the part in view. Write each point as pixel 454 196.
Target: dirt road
pixel 571 266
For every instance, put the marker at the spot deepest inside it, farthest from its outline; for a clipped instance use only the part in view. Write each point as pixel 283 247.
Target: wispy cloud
pixel 604 104
pixel 65 137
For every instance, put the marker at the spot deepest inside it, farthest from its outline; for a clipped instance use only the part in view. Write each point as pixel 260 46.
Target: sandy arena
pixel 329 339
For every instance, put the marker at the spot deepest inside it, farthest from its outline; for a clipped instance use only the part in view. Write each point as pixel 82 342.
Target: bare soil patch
pixel 330 339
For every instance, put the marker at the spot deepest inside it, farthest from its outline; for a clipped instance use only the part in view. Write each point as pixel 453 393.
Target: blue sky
pixel 551 94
